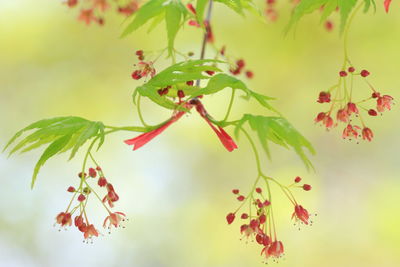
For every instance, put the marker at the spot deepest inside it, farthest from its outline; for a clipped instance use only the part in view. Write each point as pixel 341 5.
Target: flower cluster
pixel 79 200
pixel 258 222
pixel 143 68
pixel 93 10
pixel 348 111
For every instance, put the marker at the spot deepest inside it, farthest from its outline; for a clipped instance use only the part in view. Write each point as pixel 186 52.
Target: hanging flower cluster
pixel 344 109
pixel 77 207
pixel 258 221
pixel 94 10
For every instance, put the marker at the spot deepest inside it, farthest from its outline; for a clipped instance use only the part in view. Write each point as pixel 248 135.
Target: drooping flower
pixel 111 196
pixel 350 131
pixel 143 139
pixel 64 218
pixel 387 5
pixel 129 9
pixel 367 134
pixel 114 219
pixel 324 97
pixel 352 108
pixel 90 231
pixel 87 16
pixel 144 69
pixel 72 3
pixel 342 115
pixel 301 214
pixel 223 136
pixel 384 102
pixel 275 250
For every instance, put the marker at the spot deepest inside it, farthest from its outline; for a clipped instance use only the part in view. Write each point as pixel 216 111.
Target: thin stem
pixel 230 105
pixel 204 43
pixel 346 35
pixel 140 112
pixel 255 151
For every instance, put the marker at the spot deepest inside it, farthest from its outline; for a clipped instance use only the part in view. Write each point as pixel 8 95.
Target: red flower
pixel 328 121
pixel 352 108
pixel 387 5
pixel 90 231
pixel 101 4
pixel 143 139
pixel 114 219
pixel 324 97
pixel 384 102
pixel 342 115
pixel 111 196
pixel 274 250
pixel 64 218
pixel 223 136
pixel 230 218
pixel 129 9
pixel 72 3
pixel 87 16
pixel 320 117
pixel 301 214
pixel 350 131
pixel 367 134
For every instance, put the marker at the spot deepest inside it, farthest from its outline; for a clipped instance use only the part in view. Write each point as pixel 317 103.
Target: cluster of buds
pixel 346 109
pixel 93 10
pixel 259 224
pixel 143 68
pixel 79 201
pixel 238 68
pixel 194 22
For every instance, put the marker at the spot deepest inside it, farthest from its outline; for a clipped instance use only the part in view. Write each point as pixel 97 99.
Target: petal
pixel 387 5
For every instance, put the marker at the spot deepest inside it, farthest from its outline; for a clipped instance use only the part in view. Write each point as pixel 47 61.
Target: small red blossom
pixel 129 9
pixel 102 181
pixel 191 8
pixel 249 74
pixel 367 134
pixel 342 115
pixel 81 198
pixel 275 250
pixel 240 198
pixel 64 219
pixel 384 102
pixel 351 69
pixel 101 4
pixel 72 3
pixel 306 187
pixel 301 214
pixel 230 218
pixel 144 69
pixel 329 25
pixel 324 97
pixel 342 73
pixel 92 172
pixel 87 16
pixel 244 216
pixel 235 191
pixel 320 117
pixel 259 190
pixel 71 189
pixel 90 231
pixel 114 219
pixel 78 221
pixel 372 112
pixel 352 108
pixel 350 131
pixel 364 73
pixel 297 179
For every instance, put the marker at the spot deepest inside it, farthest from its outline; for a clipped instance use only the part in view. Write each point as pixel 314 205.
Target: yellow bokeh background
pixel 176 189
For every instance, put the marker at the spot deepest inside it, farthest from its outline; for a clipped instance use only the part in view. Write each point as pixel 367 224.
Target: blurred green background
pixel 176 190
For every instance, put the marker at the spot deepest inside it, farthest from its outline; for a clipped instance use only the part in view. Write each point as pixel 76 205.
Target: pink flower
pixel 114 219
pixel 87 16
pixel 111 196
pixel 342 115
pixel 301 214
pixel 350 131
pixel 367 134
pixel 320 117
pixel 143 139
pixel 352 108
pixel 230 218
pixel 101 4
pixel 328 122
pixel 384 102
pixel 275 250
pixel 324 97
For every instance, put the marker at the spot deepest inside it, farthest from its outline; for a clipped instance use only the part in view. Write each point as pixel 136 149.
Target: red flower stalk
pixel 223 136
pixel 143 139
pixel 301 214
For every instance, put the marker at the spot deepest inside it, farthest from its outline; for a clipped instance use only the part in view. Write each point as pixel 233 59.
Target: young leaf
pixel 173 21
pixel 148 11
pixel 50 151
pixel 279 131
pixel 91 130
pixel 345 7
